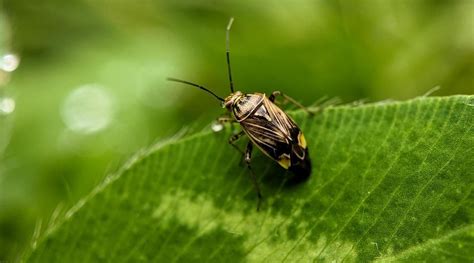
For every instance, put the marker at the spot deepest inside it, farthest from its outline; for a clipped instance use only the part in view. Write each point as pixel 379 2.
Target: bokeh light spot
pixel 9 62
pixel 88 109
pixel 7 105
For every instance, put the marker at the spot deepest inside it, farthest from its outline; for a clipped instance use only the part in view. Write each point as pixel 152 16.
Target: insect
pixel 265 124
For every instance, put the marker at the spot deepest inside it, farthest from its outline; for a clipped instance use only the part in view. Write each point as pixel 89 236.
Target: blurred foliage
pixel 371 50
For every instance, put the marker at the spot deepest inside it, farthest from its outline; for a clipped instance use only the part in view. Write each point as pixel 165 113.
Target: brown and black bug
pixel 266 125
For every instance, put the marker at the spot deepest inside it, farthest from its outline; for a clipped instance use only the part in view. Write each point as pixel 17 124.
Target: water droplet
pixel 217 126
pixel 88 109
pixel 7 105
pixel 9 62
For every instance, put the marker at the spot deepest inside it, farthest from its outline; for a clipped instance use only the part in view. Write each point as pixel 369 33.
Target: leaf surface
pixel 390 182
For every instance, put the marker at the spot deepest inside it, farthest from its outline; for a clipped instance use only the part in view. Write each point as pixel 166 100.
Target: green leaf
pixel 391 182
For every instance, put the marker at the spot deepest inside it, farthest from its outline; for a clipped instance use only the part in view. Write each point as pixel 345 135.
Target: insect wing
pixel 276 134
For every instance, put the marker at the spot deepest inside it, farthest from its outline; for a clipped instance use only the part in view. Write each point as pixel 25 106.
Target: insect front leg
pixel 248 156
pixel 225 119
pixel 220 122
pixel 290 99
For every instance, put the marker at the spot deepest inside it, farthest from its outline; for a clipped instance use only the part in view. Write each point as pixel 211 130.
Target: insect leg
pixel 225 119
pixel 234 138
pixel 248 156
pixel 290 99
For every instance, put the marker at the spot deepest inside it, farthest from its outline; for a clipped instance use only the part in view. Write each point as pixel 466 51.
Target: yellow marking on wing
pixel 284 162
pixel 302 140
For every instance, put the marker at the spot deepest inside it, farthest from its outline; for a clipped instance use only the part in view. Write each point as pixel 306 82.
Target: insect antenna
pixel 227 53
pixel 195 85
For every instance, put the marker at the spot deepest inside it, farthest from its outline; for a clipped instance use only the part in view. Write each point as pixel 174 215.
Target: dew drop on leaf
pixel 217 127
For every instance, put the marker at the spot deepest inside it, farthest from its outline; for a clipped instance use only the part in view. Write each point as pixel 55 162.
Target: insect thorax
pixel 242 105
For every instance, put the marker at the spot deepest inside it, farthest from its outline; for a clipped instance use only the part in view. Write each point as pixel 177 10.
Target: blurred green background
pixel 90 88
